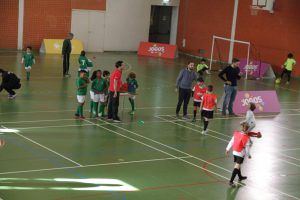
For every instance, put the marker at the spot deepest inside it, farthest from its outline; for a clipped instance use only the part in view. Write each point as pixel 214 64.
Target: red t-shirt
pixel 115 75
pixel 209 101
pixel 199 92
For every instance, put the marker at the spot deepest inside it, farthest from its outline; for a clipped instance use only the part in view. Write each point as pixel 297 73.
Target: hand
pixel 228 82
pixel 227 153
pixel 249 157
pixel 282 67
pixel 115 94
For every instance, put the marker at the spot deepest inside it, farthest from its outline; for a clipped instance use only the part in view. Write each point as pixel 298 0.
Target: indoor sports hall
pixel 149 150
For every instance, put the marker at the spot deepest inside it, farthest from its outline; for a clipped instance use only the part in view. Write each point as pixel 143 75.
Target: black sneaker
pixel 231 184
pixel 242 178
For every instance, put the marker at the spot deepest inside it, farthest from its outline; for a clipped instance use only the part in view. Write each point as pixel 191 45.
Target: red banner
pixel 157 50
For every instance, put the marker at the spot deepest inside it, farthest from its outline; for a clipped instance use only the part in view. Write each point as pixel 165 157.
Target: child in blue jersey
pixel 132 86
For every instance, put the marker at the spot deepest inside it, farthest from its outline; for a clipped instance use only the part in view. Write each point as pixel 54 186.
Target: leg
pixel 232 98
pixel 110 105
pixel 9 88
pixel 289 76
pixel 180 100
pixel 227 96
pixel 67 63
pixel 186 99
pixel 282 73
pixel 64 64
pixel 115 107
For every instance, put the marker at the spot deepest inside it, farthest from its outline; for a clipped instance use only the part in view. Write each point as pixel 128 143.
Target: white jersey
pixel 250 119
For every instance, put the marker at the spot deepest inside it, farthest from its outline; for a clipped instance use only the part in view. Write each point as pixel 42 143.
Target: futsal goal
pixel 224 49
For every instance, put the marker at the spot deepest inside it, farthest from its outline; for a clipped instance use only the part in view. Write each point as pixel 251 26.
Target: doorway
pixel 88 26
pixel 160 24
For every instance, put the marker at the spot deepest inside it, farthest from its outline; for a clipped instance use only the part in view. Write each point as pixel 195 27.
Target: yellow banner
pixel 54 46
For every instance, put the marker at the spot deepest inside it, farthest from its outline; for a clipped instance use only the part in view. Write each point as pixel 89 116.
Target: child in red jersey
pixel 198 91
pixel 208 105
pixel 240 143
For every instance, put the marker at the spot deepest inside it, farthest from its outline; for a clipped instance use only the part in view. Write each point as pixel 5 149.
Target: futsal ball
pixel 277 81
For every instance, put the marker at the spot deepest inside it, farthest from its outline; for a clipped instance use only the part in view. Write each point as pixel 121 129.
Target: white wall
pixel 127 23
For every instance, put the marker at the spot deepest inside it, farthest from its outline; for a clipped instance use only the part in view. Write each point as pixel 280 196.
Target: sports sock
pixel 234 173
pixel 77 110
pixel 131 103
pixel 195 113
pixel 101 108
pixel 205 124
pixel 81 110
pixel 28 75
pixel 95 107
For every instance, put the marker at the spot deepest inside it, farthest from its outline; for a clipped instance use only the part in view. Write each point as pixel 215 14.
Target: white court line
pixel 286 128
pixel 47 148
pixel 280 192
pixel 92 165
pixel 60 111
pixel 63 126
pixel 294 149
pixel 222 138
pixel 33 121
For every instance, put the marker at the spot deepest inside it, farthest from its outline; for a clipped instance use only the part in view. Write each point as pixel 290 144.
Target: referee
pixel 66 51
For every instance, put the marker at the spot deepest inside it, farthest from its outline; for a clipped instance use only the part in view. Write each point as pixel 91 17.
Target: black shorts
pixel 196 103
pixel 207 114
pixel 238 159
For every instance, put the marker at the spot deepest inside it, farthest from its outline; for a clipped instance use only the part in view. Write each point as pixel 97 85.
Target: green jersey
pixel 83 62
pixel 81 91
pixel 99 85
pixel 289 64
pixel 201 66
pixel 106 89
pixel 28 59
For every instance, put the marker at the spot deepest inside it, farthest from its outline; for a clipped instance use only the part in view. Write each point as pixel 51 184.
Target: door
pixel 88 26
pixel 160 24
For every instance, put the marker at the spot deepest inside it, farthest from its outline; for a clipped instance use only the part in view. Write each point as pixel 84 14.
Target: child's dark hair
pixel 94 75
pixel 252 106
pixel 119 63
pixel 203 60
pixel 2 70
pixel 29 47
pixel 210 88
pixel 105 73
pixel 82 53
pixel 200 79
pixel 132 75
pixel 290 55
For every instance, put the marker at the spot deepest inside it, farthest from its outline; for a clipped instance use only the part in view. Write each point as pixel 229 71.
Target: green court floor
pixel 52 156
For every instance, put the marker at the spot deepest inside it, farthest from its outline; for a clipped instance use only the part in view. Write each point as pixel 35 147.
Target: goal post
pixel 248 45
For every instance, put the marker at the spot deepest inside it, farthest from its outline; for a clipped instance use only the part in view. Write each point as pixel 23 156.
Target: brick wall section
pixel 46 19
pixel 273 35
pixel 89 4
pixel 9 24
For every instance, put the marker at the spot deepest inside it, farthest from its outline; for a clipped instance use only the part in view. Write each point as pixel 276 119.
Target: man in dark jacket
pixel 66 51
pixel 9 82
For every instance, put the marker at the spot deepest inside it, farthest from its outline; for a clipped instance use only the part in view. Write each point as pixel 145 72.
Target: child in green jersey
pixel 28 60
pixel 84 63
pixel 202 67
pixel 82 84
pixel 98 87
pixel 132 86
pixel 106 76
pixel 287 68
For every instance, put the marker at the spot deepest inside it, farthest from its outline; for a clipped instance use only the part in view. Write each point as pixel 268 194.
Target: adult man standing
pixel 184 86
pixel 66 51
pixel 9 83
pixel 114 92
pixel 232 73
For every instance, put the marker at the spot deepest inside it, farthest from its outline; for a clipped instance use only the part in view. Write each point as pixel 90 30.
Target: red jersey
pixel 240 141
pixel 115 75
pixel 209 101
pixel 199 92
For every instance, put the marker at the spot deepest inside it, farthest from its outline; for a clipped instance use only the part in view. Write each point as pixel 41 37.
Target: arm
pixel 221 74
pixel 247 149
pixel 136 84
pixel 229 146
pixel 239 74
pixel 64 47
pixel 179 78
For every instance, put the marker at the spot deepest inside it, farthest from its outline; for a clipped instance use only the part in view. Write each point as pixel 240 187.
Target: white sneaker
pixel 204 132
